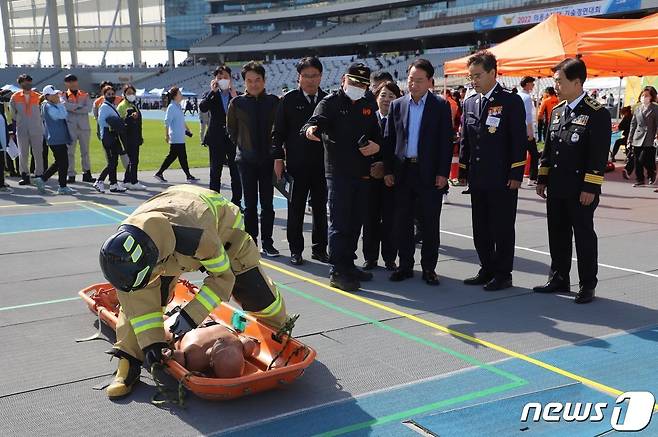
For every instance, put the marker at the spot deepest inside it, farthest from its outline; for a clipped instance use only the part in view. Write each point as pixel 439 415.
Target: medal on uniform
pixel 575 137
pixel 492 129
pixel 581 120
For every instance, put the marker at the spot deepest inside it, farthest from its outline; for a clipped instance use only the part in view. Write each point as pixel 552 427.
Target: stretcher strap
pixel 164 395
pixel 97 335
pixel 285 330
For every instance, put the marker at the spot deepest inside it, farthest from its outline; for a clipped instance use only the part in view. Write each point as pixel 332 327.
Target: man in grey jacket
pixel 78 105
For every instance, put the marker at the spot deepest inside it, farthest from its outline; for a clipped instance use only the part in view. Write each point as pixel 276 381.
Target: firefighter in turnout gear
pixel 572 166
pixel 183 229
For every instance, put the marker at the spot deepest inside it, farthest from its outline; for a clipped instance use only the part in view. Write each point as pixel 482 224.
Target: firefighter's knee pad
pixel 252 290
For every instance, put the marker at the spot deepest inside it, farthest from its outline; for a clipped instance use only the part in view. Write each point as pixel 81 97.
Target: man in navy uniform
pixel 494 132
pixel 346 123
pixel 572 166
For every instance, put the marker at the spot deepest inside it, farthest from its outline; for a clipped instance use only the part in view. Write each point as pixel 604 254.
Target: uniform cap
pixel 359 72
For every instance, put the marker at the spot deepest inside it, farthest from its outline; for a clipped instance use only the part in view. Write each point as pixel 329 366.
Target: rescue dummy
pixel 182 229
pixel 215 350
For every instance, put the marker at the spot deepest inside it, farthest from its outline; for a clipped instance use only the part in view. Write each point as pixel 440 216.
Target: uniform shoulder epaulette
pixel 563 102
pixel 592 103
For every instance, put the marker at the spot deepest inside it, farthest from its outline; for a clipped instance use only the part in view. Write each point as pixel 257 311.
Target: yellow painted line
pixel 589 382
pixel 594 384
pixel 109 208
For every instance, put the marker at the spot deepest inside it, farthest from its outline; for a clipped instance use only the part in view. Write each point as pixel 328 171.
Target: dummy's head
pixel 227 358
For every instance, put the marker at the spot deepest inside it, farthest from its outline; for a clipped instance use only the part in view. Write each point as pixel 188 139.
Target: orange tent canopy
pixel 630 48
pixel 539 48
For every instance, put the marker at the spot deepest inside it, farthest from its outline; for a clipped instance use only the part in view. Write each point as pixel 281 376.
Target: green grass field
pixel 154 149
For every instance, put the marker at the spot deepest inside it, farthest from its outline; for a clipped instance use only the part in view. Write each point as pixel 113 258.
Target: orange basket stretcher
pixel 294 356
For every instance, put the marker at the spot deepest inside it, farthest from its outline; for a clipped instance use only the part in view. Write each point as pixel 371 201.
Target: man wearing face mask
pixel 347 125
pixel 220 147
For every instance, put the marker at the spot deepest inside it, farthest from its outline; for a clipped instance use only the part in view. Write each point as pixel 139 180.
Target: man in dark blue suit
pixel 418 153
pixel 494 131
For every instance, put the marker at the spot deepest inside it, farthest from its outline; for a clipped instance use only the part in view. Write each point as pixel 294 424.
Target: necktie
pixel 311 99
pixel 384 120
pixel 483 103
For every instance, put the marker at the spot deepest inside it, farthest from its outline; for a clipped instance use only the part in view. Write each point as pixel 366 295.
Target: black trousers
pixel 541 129
pixel 220 155
pixel 314 182
pixel 130 176
pixel 409 192
pixel 568 218
pixel 645 158
pixel 258 188
pixel 494 217
pixel 10 165
pixel 615 147
pixel 176 151
pixel 347 204
pixel 112 150
pixel 534 159
pixel 2 168
pixel 378 227
pixel 60 166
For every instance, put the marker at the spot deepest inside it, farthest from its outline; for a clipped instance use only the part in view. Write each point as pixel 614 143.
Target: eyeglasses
pixel 476 76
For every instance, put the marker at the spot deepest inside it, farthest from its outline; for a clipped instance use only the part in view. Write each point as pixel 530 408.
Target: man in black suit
pixel 494 131
pixel 418 154
pixel 220 147
pixel 304 159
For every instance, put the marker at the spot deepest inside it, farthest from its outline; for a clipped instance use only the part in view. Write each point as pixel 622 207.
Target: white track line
pixel 527 249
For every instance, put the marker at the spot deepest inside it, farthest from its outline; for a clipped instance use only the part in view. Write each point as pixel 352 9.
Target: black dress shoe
pixel 344 282
pixel 584 295
pixel 497 284
pixel 480 279
pixel 70 180
pixel 555 284
pixel 369 265
pixel 431 277
pixel 467 191
pixel 360 275
pixel 87 177
pixel 401 275
pixel 390 266
pixel 296 259
pixel 320 256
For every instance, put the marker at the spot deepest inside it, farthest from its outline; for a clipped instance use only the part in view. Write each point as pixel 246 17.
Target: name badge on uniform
pixel 493 123
pixel 581 120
